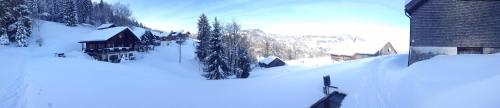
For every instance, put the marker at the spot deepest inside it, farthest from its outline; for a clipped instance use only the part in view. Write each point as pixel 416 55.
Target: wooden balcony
pixel 109 50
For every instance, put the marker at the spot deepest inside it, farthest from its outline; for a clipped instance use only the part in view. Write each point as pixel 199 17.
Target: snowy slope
pixel 32 78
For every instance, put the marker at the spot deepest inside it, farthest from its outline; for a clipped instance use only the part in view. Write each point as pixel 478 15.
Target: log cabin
pixel 451 27
pixel 271 61
pixel 111 44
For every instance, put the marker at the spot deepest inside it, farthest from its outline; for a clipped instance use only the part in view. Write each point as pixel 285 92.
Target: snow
pixel 33 78
pixel 267 60
pixel 350 48
pixel 104 34
pixel 138 31
pixel 104 26
pixel 163 34
pixel 407 1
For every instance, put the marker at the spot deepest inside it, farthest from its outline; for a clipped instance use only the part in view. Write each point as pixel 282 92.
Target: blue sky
pixel 378 19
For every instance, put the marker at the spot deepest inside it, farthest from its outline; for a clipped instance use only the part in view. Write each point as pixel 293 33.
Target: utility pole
pixel 180 53
pixel 179 42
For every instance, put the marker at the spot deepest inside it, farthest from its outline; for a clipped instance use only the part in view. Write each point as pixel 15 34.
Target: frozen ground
pixel 33 78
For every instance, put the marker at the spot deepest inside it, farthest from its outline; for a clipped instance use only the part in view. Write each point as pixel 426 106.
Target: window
pixel 91 46
pixel 110 45
pixel 101 46
pixel 470 50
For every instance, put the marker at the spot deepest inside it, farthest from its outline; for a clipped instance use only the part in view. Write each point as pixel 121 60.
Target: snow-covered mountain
pixel 309 46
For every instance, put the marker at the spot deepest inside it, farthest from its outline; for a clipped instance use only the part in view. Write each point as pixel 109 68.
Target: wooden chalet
pixel 450 27
pixel 111 44
pixel 165 36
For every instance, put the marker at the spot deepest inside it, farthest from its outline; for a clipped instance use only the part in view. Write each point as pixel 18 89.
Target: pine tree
pixel 21 34
pixel 3 14
pixel 58 10
pixel 244 62
pixel 147 40
pixel 4 40
pixel 8 18
pixel 84 9
pixel 69 14
pixel 214 59
pixel 22 25
pixel 203 34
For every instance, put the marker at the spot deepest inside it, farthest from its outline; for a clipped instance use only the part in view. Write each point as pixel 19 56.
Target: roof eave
pixel 413 5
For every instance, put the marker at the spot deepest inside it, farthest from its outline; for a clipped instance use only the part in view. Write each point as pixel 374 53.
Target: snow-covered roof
pixel 104 34
pixel 138 31
pixel 105 26
pixel 267 60
pixel 164 34
pixel 157 33
pixel 175 33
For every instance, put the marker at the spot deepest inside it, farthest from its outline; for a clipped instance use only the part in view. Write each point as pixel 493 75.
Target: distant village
pixel 387 49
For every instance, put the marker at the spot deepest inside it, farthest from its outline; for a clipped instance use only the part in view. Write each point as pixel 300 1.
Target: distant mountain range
pixel 300 46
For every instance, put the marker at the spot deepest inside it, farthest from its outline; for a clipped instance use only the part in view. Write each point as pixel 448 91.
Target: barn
pixel 271 61
pixel 111 44
pixel 388 49
pixel 451 27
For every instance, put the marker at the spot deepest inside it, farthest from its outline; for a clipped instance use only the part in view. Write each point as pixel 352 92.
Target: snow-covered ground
pixel 33 78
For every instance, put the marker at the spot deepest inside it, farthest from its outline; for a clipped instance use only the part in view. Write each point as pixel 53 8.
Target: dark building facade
pixel 450 27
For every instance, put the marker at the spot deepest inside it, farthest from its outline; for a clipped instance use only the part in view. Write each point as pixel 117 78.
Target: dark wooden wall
pixel 456 23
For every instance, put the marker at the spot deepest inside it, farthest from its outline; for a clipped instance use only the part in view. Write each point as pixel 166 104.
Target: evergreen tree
pixel 84 10
pixel 21 27
pixel 21 34
pixel 33 6
pixel 214 59
pixel 9 18
pixel 58 10
pixel 244 62
pixel 4 40
pixel 3 14
pixel 69 14
pixel 203 35
pixel 147 39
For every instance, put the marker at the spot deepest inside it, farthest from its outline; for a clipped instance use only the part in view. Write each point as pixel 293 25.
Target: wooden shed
pixel 449 27
pixel 271 61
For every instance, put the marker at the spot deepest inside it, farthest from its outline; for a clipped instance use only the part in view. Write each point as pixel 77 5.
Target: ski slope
pixel 33 78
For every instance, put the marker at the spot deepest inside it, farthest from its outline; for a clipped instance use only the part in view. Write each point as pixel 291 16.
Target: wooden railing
pixel 109 50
